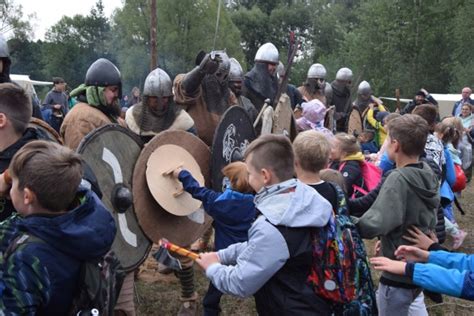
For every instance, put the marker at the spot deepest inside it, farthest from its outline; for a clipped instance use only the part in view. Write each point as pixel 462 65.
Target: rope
pixel 217 23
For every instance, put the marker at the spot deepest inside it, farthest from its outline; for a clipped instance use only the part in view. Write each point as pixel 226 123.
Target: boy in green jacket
pixel 408 197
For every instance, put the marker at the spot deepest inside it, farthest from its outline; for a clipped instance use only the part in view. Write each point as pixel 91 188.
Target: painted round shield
pixel 112 151
pixel 233 134
pixel 329 121
pixel 354 123
pixel 155 221
pixel 46 129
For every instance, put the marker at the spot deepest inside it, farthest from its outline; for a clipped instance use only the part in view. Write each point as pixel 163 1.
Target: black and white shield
pixel 111 152
pixel 234 133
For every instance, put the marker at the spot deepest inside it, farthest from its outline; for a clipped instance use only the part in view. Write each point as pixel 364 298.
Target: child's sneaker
pixel 458 239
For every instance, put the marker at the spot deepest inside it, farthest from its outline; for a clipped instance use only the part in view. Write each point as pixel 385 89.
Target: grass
pixel 159 294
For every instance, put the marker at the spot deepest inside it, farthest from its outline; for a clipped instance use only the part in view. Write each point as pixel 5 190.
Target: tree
pixel 272 21
pixel 184 28
pixel 26 57
pixel 11 20
pixel 461 66
pixel 74 43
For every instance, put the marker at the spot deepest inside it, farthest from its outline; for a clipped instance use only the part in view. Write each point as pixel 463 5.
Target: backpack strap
pixel 341 198
pixel 355 187
pixel 22 239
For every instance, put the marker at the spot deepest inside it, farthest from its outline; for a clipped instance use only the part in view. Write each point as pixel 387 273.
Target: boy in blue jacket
pixel 274 264
pixel 438 271
pixel 233 211
pixel 67 226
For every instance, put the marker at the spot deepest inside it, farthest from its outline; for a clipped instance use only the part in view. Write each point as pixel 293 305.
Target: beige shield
pixel 154 219
pixel 166 189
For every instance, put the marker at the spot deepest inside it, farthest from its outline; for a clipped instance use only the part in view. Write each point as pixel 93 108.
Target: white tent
pixel 26 83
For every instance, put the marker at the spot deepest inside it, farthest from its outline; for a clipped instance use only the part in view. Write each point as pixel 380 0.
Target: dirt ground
pixel 159 294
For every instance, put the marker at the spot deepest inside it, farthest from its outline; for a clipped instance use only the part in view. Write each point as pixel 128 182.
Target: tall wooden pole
pixel 154 53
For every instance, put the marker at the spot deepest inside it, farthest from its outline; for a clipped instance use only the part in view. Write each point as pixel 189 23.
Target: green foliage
pixel 12 20
pixel 462 46
pixel 184 28
pixel 73 44
pixel 26 57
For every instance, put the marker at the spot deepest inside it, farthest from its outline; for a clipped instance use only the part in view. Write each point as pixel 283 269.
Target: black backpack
pixel 98 285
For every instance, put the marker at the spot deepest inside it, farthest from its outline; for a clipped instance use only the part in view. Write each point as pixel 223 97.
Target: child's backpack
pixel 461 179
pixel 340 272
pixel 98 285
pixel 371 176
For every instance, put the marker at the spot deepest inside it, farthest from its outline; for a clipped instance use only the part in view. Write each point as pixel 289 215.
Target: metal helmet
pixel 222 72
pixel 344 74
pixel 267 53
pixel 4 52
pixel 158 84
pixel 103 73
pixel 236 72
pixel 317 71
pixel 364 88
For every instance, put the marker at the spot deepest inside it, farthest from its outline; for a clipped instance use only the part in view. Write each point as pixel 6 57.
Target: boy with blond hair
pixel 312 151
pixel 275 262
pixel 58 227
pixel 408 197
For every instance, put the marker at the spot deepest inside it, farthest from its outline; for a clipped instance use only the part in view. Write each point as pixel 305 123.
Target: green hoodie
pixel 408 197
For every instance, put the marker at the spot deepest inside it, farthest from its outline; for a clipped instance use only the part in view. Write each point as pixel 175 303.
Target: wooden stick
pixel 179 250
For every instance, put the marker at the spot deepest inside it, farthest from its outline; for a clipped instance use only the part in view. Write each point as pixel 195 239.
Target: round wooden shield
pixel 165 188
pixel 354 123
pixel 46 129
pixel 111 151
pixel 155 221
pixel 329 121
pixel 233 134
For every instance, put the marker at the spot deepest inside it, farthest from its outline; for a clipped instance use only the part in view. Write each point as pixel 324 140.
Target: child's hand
pixel 410 253
pixel 418 238
pixel 207 258
pixel 386 264
pixel 177 171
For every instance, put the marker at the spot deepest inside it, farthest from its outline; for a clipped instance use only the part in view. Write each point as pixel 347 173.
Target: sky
pixel 49 12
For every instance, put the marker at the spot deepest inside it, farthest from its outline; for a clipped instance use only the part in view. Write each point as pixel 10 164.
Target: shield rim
pixel 89 138
pixel 150 206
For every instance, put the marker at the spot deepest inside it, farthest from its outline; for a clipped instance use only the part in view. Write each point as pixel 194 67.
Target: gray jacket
pixel 246 267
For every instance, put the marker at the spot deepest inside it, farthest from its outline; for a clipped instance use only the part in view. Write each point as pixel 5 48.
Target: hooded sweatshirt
pixel 408 197
pixel 275 261
pixel 40 278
